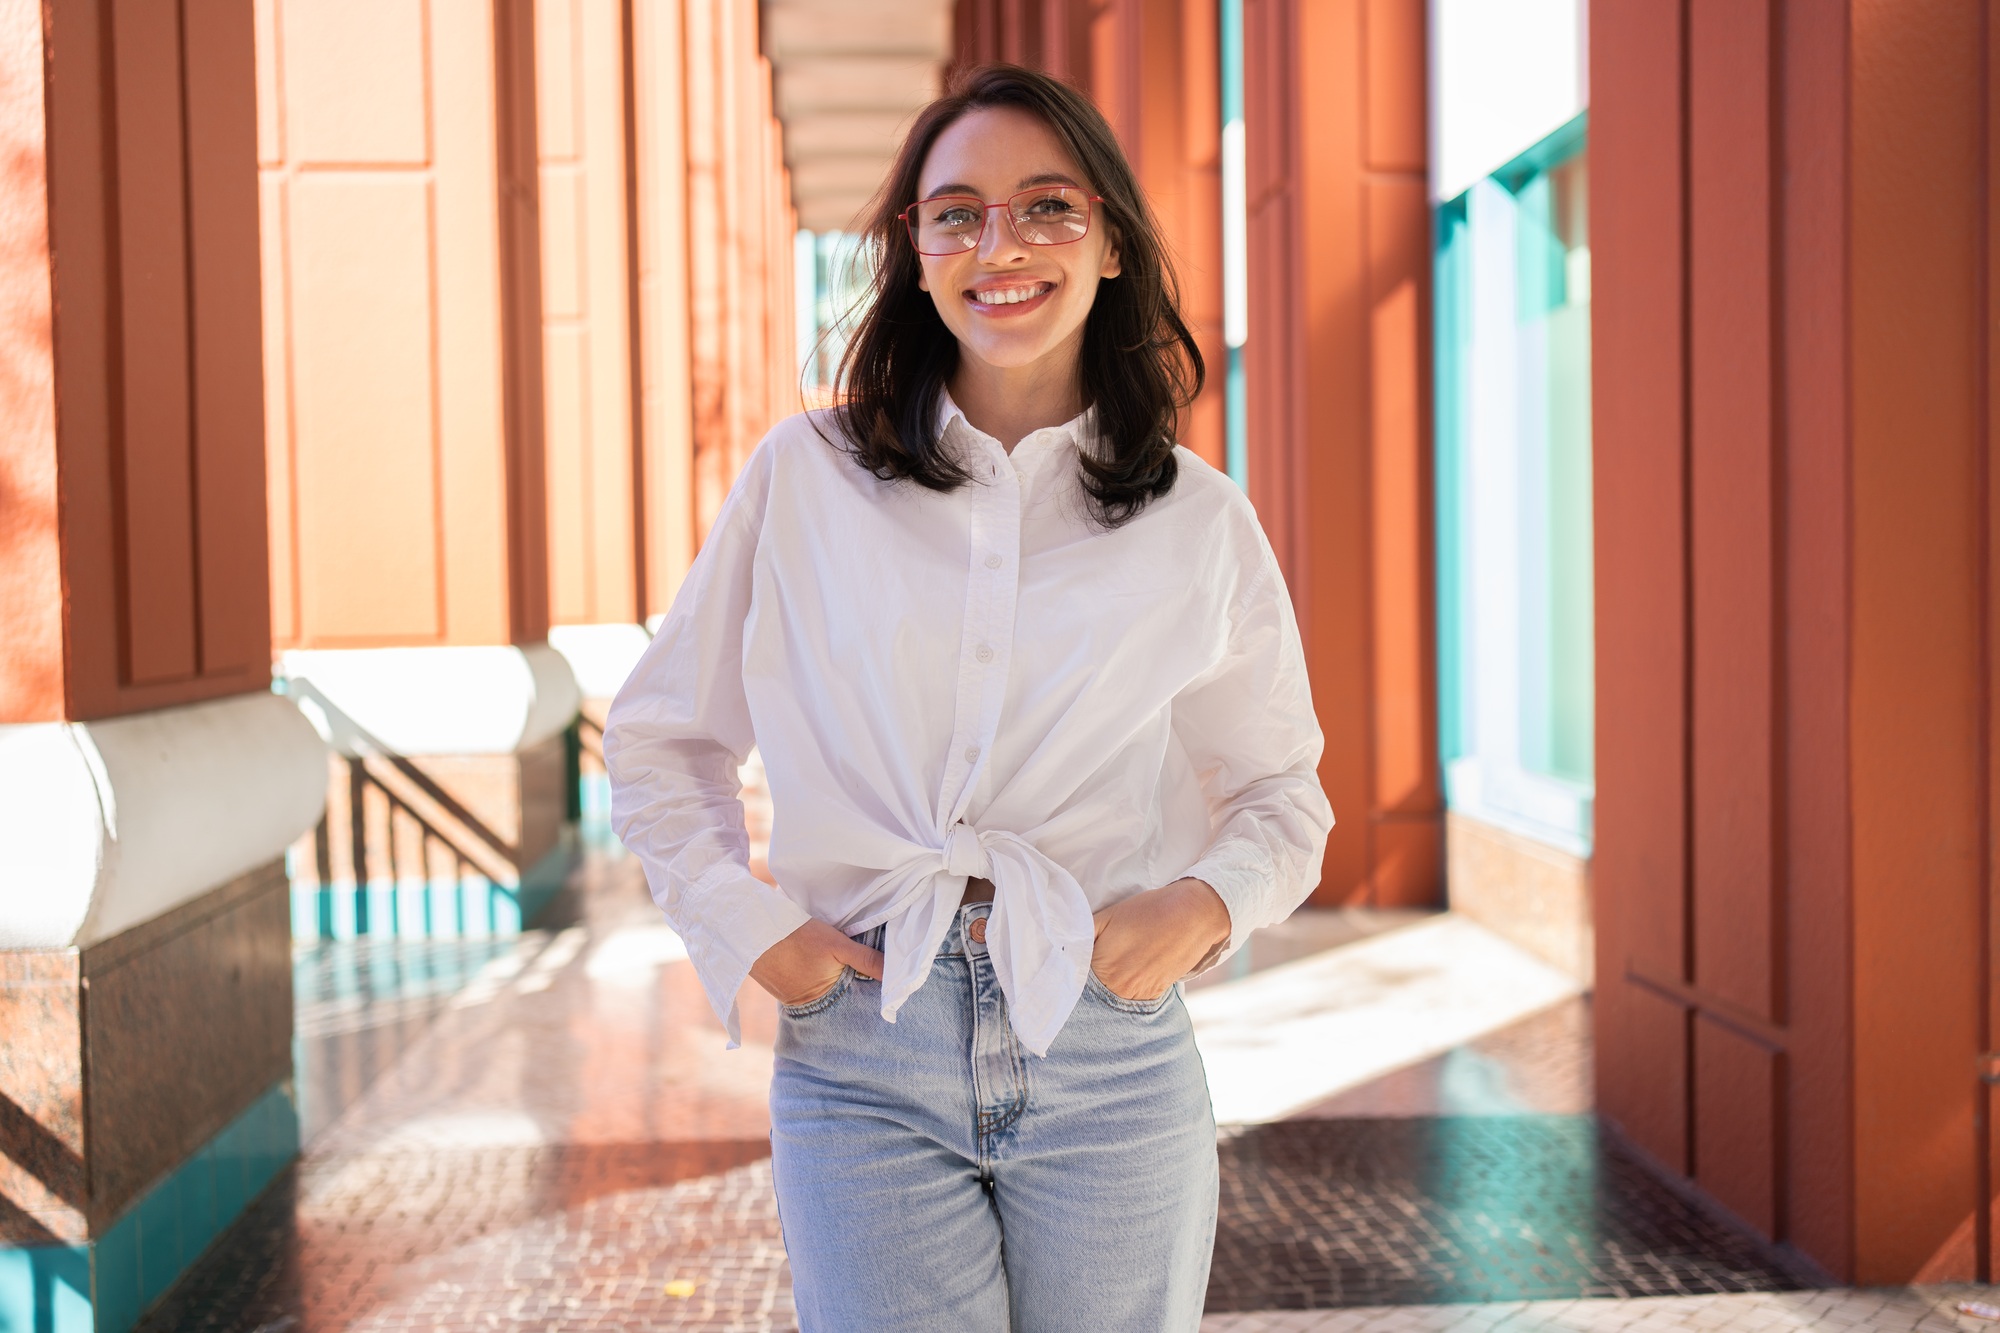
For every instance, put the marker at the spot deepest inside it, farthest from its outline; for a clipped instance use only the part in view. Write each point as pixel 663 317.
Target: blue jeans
pixel 933 1175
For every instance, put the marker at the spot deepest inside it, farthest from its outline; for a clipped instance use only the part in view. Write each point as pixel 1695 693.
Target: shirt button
pixel 993 562
pixel 984 653
pixel 972 754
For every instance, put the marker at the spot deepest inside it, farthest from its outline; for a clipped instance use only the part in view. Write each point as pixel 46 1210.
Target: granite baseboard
pixel 122 1059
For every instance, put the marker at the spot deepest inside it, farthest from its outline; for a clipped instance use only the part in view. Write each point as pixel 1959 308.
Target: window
pixel 1513 495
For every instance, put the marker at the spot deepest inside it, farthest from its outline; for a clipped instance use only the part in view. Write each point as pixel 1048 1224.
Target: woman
pixel 1034 716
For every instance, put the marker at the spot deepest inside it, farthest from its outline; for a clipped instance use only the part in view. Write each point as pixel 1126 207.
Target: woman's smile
pixel 1005 298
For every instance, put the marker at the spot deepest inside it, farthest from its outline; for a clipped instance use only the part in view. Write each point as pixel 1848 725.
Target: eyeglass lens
pixel 949 224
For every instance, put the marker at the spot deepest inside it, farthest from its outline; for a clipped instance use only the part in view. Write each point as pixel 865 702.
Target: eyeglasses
pixel 951 224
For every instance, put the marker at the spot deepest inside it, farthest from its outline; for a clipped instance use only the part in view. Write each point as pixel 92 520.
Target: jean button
pixel 977 930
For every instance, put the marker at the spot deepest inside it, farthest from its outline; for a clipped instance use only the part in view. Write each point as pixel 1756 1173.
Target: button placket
pixel 986 634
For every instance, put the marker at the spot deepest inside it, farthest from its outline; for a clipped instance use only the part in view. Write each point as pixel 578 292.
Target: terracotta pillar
pixel 664 259
pixel 1795 607
pixel 593 214
pixel 1339 411
pixel 743 367
pixel 588 338
pixel 409 513
pixel 149 780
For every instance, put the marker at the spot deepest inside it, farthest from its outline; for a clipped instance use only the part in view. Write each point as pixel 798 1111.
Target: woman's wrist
pixel 1208 915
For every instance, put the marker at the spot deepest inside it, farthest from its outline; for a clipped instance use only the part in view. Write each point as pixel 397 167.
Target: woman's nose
pixel 998 244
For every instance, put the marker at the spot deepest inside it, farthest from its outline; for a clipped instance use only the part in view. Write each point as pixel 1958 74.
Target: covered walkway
pixel 554 1138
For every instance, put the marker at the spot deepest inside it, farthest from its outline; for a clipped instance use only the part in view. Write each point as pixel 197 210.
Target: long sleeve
pixel 1248 725
pixel 677 734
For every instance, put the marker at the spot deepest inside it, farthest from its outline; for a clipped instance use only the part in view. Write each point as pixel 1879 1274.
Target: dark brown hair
pixel 1139 366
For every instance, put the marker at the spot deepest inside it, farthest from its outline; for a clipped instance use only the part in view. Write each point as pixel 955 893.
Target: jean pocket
pixel 819 1004
pixel 1123 1005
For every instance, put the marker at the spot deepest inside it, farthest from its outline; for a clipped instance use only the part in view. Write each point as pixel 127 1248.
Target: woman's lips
pixel 1003 309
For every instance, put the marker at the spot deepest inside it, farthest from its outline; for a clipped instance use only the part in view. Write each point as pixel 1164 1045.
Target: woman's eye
pixel 955 217
pixel 1048 206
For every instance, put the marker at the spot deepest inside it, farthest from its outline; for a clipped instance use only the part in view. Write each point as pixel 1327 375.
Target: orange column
pixel 593 417
pixel 132 571
pixel 403 328
pixel 739 239
pixel 1794 610
pixel 1339 408
pixel 153 779
pixel 664 256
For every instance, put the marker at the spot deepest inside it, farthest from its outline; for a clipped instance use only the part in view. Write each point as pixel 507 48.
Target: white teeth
pixel 1010 295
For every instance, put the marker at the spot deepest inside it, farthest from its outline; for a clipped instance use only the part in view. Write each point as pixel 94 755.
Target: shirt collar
pixel 1076 434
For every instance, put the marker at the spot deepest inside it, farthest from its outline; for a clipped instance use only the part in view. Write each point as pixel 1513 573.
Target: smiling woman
pixel 1036 729
pixel 1021 291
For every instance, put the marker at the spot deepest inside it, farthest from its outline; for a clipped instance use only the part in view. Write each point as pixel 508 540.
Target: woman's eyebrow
pixel 1026 183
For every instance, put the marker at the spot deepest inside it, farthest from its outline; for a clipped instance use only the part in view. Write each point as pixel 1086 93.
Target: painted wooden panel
pixel 1408 797
pixel 587 301
pixel 1739 1086
pixel 1917 200
pixel 1732 444
pixel 227 325
pixel 355 85
pixel 662 250
pixel 155 467
pixel 402 330
pixel 742 367
pixel 1639 432
pixel 363 405
pixel 1819 1111
pixel 133 397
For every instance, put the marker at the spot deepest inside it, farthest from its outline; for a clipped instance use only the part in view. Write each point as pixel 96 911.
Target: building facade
pixel 1614 385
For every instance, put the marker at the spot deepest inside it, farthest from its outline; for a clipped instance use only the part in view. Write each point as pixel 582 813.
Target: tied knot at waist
pixel 1039 934
pixel 965 854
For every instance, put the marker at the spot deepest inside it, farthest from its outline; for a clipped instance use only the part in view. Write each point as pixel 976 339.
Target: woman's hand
pixel 806 964
pixel 1153 939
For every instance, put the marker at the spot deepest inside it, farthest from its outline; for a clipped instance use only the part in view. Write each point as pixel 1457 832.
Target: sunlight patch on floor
pixel 1280 1040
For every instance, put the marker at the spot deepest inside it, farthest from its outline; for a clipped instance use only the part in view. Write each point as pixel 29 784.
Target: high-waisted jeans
pixel 933 1175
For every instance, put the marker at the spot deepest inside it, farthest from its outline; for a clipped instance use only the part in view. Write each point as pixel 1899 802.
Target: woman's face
pixel 1009 304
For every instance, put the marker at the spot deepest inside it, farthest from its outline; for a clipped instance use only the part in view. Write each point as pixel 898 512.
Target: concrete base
pixel 149 1079
pixel 1525 891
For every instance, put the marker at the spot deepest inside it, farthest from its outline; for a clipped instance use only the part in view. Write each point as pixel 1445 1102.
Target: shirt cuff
pixel 748 916
pixel 1240 873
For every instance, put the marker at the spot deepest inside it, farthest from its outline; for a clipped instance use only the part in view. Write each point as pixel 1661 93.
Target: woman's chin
pixel 1008 353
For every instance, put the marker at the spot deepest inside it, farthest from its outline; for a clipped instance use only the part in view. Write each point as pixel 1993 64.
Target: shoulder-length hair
pixel 1139 367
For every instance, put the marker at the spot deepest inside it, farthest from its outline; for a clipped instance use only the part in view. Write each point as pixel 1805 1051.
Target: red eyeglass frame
pixel 1008 203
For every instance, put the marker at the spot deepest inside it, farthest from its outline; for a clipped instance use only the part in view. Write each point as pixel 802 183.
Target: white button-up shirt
pixel 976 682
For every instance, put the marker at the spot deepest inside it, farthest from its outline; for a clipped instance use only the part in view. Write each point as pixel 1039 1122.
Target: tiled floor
pixel 1922 1310
pixel 1407 1211
pixel 547 1134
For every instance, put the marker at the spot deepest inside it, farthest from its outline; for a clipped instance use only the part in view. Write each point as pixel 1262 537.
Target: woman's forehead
pixel 995 151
